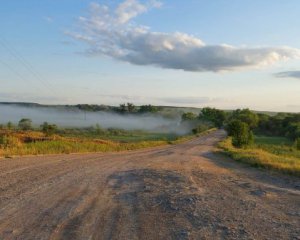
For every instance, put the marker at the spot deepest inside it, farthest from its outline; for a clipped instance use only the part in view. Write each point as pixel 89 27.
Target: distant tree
pixel 122 108
pixel 148 109
pixel 25 124
pixel 246 116
pixel 127 108
pixel 48 129
pixel 131 108
pixel 188 116
pixel 9 125
pixel 214 115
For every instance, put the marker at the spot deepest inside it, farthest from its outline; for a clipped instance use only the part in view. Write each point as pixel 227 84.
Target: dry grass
pixel 261 158
pixel 38 144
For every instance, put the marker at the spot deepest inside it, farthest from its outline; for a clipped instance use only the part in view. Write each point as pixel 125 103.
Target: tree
pixel 130 107
pixel 148 109
pixel 127 108
pixel 241 134
pixel 48 129
pixel 216 116
pixel 122 108
pixel 9 125
pixel 246 116
pixel 188 116
pixel 25 124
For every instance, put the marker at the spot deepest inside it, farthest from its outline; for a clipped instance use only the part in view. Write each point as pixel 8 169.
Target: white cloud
pixel 113 33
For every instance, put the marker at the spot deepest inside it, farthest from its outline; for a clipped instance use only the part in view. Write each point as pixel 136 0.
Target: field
pixel 274 153
pixel 18 143
pixel 117 135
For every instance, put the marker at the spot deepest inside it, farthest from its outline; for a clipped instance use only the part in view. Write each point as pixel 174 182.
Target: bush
pixel 9 141
pixel 241 134
pixel 25 124
pixel 48 129
pixel 199 129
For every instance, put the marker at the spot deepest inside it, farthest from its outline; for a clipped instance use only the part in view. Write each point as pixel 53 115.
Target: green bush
pixel 200 128
pixel 48 129
pixel 25 124
pixel 241 134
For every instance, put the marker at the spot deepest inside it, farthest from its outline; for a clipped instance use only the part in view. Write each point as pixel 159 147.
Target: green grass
pixel 118 135
pixel 277 145
pixel 269 153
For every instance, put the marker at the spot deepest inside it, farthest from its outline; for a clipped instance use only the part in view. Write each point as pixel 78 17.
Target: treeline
pixel 131 108
pixel 122 108
pixel 242 123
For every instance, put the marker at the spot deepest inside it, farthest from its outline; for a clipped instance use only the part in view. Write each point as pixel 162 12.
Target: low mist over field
pixel 73 117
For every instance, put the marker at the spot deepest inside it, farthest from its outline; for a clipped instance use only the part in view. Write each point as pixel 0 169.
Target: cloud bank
pixel 113 33
pixel 288 74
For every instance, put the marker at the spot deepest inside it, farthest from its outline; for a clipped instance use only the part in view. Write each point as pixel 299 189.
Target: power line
pixel 14 71
pixel 26 65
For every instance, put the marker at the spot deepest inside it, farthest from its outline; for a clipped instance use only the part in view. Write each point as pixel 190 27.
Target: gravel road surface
pixel 184 191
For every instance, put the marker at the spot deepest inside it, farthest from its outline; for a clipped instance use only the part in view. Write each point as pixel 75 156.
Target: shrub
pixel 241 134
pixel 48 129
pixel 9 141
pixel 25 124
pixel 199 129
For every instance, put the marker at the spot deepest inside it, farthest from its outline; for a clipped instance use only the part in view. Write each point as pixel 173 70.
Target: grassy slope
pixel 267 152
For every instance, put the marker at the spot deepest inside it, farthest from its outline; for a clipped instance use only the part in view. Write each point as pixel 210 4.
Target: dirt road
pixel 182 191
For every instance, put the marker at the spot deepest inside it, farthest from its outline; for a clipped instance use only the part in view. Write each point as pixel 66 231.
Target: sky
pixel 224 53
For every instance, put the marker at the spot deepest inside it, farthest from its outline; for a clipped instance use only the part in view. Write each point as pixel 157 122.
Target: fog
pixel 72 117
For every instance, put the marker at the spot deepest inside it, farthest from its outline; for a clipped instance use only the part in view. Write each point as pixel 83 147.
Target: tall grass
pixel 65 146
pixel 259 157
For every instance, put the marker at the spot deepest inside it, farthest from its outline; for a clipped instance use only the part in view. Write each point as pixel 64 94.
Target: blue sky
pixel 226 54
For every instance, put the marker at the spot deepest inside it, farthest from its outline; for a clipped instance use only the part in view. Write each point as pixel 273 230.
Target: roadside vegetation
pixel 259 139
pixel 282 158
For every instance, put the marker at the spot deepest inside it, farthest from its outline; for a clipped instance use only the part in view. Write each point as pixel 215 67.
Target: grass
pixel 67 146
pixel 64 145
pixel 267 152
pixel 277 145
pixel 119 135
